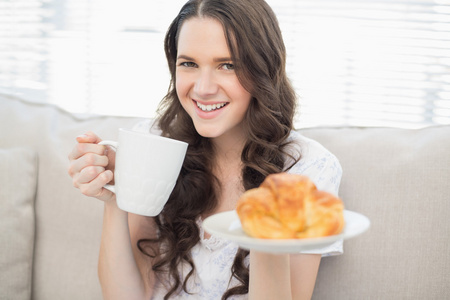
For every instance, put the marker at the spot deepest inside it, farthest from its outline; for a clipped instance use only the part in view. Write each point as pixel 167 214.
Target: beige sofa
pixel 400 179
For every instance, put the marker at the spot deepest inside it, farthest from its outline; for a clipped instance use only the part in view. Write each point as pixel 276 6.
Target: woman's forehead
pixel 202 35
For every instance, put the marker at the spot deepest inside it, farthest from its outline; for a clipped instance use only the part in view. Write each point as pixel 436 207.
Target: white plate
pixel 228 226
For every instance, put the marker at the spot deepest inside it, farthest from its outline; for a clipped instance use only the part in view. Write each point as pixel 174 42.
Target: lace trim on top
pixel 213 242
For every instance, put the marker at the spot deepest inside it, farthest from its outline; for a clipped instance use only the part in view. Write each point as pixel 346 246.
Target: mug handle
pixel 114 145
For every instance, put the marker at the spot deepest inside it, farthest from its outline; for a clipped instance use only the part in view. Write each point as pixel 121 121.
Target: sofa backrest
pixel 398 178
pixel 67 224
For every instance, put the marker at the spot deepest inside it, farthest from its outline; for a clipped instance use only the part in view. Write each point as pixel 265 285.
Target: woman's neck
pixel 228 147
pixel 227 163
pixel 228 170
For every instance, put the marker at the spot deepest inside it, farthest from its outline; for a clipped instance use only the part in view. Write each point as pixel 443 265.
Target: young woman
pixel 231 100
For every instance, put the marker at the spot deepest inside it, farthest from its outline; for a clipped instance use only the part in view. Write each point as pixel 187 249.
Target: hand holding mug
pixel 91 166
pixel 146 170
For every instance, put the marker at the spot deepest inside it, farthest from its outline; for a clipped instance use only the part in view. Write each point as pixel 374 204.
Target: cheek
pixel 178 82
pixel 180 87
pixel 243 95
pixel 182 91
pixel 239 90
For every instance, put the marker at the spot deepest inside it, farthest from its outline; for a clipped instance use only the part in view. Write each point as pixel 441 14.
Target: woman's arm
pixel 282 276
pixel 120 266
pixel 304 269
pixel 122 270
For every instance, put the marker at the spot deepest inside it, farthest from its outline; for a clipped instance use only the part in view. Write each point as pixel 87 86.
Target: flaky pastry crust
pixel 289 206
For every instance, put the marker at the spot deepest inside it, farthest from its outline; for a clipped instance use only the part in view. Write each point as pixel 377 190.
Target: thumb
pixel 106 194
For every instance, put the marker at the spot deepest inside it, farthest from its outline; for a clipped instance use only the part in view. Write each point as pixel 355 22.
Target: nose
pixel 205 84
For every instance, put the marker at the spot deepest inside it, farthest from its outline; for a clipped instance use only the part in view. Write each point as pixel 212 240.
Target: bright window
pixel 361 62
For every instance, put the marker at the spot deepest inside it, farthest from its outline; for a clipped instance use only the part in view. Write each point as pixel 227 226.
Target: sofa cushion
pixel 18 178
pixel 68 224
pixel 399 178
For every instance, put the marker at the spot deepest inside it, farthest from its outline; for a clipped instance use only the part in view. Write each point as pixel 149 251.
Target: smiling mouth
pixel 210 107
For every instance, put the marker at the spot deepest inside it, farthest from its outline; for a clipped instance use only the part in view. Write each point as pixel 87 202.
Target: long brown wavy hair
pixel 259 56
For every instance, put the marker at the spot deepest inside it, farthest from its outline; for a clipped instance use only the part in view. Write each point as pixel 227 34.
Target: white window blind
pixel 366 62
pixel 360 62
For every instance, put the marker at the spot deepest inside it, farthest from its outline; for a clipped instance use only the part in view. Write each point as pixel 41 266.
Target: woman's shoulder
pixel 316 162
pixel 296 137
pixel 307 148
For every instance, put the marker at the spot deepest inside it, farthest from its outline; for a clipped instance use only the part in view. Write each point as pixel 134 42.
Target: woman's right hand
pixel 91 167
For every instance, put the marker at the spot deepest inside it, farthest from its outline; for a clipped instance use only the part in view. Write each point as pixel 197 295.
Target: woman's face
pixel 206 82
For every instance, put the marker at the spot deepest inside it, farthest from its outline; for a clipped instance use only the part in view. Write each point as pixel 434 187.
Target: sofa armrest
pixel 18 178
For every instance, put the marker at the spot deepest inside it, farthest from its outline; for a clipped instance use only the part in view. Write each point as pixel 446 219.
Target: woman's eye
pixel 228 66
pixel 188 64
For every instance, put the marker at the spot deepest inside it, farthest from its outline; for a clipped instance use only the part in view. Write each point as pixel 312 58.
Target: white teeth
pixel 210 107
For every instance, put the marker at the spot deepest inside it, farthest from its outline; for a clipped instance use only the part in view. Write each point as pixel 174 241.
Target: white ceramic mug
pixel 146 170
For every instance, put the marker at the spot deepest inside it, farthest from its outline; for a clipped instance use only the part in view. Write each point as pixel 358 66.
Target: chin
pixel 207 133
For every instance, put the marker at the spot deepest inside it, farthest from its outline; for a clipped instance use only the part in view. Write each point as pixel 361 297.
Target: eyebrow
pixel 222 59
pixel 184 57
pixel 218 59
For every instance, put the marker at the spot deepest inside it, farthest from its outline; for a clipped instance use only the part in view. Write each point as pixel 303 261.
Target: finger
pixel 111 154
pixel 95 187
pixel 86 175
pixel 88 137
pixel 83 148
pixel 88 159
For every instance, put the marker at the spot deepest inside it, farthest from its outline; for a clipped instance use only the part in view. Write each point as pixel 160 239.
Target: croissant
pixel 289 206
